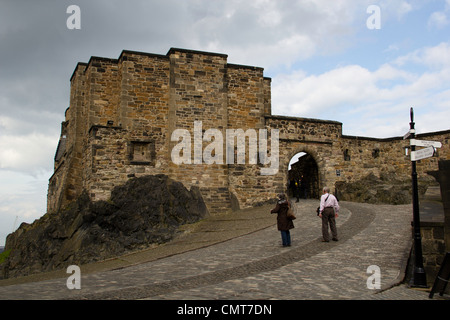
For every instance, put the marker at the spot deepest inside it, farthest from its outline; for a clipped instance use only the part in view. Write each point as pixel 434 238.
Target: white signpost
pixel 427 152
pixel 422 154
pixel 424 143
pixel 408 134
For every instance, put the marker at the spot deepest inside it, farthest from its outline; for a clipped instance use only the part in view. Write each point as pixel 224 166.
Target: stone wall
pixel 348 159
pixel 436 234
pixel 433 248
pixel 123 113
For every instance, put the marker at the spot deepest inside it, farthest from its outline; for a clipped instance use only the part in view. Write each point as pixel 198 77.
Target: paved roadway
pixel 239 256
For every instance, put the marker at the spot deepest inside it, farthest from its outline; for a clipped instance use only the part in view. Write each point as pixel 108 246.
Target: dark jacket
pixel 283 222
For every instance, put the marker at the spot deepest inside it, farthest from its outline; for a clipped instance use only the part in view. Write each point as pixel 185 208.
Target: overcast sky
pixel 324 61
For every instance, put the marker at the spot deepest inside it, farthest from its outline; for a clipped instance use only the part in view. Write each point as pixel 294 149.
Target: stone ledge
pixel 290 118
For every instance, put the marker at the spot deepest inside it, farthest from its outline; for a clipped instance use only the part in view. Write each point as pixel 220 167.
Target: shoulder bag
pixel 290 213
pixel 318 208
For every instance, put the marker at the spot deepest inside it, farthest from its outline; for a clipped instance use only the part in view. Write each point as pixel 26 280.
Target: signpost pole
pixel 419 277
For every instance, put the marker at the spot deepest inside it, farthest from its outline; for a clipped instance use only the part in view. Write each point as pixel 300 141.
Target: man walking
pixel 328 211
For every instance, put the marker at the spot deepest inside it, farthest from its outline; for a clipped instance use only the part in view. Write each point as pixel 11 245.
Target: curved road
pixel 252 264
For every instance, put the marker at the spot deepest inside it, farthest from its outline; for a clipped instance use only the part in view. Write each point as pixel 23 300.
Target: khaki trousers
pixel 328 218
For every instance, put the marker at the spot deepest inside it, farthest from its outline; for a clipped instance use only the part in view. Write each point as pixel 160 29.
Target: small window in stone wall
pixel 142 152
pixel 346 155
pixel 376 153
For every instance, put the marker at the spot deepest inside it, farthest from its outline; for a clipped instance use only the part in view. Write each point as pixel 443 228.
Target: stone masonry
pixel 123 113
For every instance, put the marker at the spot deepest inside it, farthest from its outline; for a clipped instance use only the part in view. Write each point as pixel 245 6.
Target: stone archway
pixel 303 172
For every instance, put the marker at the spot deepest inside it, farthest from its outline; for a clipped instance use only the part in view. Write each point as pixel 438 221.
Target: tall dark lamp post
pixel 419 277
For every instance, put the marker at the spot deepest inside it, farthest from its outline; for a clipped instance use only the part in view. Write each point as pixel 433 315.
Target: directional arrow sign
pixel 422 154
pixel 406 136
pixel 424 143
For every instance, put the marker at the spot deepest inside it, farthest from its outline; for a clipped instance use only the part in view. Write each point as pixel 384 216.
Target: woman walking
pixel 283 222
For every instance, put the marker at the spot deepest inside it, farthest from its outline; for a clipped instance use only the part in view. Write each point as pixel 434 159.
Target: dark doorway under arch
pixel 303 177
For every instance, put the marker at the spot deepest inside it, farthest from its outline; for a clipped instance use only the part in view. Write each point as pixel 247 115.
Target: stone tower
pixel 123 111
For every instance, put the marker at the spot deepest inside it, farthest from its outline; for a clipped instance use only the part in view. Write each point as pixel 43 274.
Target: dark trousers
pixel 328 218
pixel 286 238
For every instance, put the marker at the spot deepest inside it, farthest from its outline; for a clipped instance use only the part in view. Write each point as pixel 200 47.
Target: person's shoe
pixel 335 239
pixel 323 240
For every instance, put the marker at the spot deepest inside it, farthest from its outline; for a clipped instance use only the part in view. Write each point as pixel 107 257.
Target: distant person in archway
pixel 284 224
pixel 328 211
pixel 295 187
pixel 303 188
pixel 292 186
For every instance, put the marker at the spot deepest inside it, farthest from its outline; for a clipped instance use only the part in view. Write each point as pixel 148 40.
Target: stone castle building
pixel 123 113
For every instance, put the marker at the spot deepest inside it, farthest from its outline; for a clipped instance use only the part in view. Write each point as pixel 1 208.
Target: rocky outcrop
pixel 146 210
pixel 386 189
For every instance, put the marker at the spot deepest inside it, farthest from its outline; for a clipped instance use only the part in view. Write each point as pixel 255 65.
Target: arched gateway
pixel 303 176
pixel 204 122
